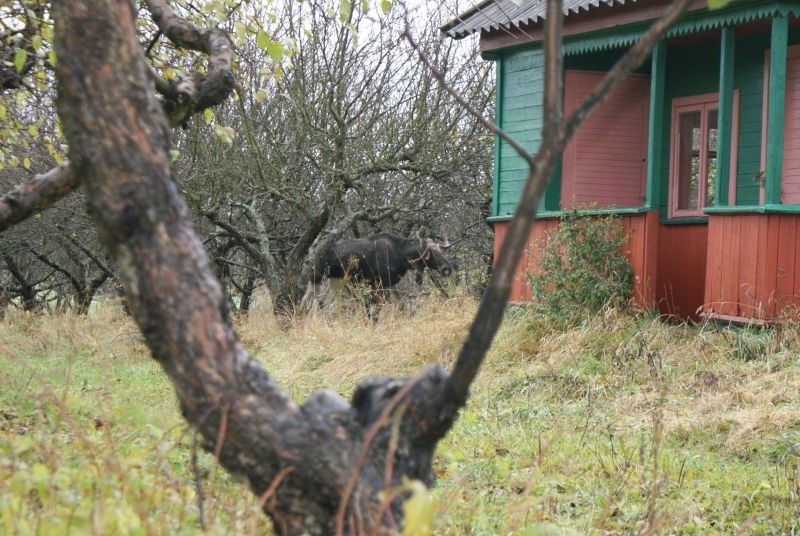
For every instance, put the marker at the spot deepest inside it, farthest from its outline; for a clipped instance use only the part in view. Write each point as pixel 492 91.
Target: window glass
pixel 689 145
pixel 711 156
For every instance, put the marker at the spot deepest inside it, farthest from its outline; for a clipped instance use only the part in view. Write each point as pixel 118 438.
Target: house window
pixel 693 166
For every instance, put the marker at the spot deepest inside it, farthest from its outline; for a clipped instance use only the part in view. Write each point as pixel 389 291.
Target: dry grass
pixel 621 425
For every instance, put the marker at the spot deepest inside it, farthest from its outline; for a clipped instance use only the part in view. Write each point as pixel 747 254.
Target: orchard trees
pixel 347 134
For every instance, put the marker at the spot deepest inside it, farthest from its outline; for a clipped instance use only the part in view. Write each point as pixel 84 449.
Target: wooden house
pixel 698 152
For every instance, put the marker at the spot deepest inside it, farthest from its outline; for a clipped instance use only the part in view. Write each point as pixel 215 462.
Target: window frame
pixel 703 103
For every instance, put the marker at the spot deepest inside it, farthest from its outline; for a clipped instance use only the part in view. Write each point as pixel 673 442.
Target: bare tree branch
pixel 439 75
pixel 181 100
pixel 86 251
pixel 192 95
pixel 36 194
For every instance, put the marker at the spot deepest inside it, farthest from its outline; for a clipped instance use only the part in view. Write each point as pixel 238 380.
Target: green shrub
pixel 582 269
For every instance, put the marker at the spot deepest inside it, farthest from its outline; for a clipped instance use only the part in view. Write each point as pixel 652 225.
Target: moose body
pixel 380 261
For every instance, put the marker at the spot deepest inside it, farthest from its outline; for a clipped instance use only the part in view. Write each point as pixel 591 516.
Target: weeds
pixel 582 269
pixel 617 425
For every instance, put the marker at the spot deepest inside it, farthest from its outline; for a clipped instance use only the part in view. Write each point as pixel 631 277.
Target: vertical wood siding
pixel 681 270
pixel 749 80
pixel 540 232
pixel 752 265
pixel 790 175
pixel 640 250
pixel 604 164
pixel 520 101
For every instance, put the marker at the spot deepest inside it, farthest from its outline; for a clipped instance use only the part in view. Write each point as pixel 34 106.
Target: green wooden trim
pixel 655 128
pixel 552 214
pixel 685 221
pixel 552 196
pixel 698 21
pixel 777 88
pixel 755 209
pixel 498 120
pixel 725 115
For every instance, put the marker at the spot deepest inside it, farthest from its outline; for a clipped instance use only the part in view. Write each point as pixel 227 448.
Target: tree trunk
pixel 319 467
pixel 246 292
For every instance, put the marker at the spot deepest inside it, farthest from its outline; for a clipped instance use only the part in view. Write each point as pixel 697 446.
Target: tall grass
pixel 621 425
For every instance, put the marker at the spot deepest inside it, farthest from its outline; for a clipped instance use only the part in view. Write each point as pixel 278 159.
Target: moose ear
pixel 446 244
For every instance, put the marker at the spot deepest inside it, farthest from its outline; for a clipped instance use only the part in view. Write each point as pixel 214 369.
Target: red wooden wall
pixel 681 270
pixel 737 266
pixel 538 237
pixel 641 229
pixel 609 170
pixel 753 265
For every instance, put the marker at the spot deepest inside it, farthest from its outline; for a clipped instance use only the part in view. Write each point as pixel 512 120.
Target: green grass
pixel 620 426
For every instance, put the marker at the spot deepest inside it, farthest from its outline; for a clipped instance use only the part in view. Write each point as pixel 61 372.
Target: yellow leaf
pixel 33 131
pixel 208 115
pixel 261 95
pixel 26 163
pixel 418 510
pixel 225 134
pixel 2 111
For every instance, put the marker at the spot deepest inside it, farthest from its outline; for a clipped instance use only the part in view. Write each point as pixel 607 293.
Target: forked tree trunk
pixel 318 467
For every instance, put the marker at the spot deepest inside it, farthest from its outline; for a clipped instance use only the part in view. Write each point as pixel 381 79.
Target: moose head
pixel 431 255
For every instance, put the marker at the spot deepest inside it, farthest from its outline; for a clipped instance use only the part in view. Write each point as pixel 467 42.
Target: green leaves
pixel 274 48
pixel 581 269
pixel 345 10
pixel 262 40
pixel 20 57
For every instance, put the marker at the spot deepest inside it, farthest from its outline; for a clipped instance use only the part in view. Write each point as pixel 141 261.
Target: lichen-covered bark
pixel 36 194
pixel 332 457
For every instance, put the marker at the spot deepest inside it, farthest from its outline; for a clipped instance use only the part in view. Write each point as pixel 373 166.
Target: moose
pixel 380 261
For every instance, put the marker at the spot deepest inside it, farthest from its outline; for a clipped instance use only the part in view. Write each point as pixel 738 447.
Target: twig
pixel 198 485
pixel 223 430
pixel 273 486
